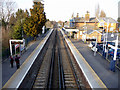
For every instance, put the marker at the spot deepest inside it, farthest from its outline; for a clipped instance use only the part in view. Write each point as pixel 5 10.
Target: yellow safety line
pixel 90 67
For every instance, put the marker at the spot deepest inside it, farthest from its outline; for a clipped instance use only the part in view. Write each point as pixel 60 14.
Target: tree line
pixel 23 23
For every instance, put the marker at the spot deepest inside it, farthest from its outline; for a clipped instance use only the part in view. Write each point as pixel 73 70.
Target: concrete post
pixel 15 49
pixel 10 47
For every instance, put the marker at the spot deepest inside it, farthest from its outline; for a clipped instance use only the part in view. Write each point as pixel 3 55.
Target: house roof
pixel 113 38
pixel 82 19
pixel 93 19
pixel 111 20
pixel 87 27
pixel 91 31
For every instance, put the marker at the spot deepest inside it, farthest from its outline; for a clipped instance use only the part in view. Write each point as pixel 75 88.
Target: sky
pixel 63 9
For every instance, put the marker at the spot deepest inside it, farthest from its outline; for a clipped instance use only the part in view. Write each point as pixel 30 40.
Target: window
pixel 111 29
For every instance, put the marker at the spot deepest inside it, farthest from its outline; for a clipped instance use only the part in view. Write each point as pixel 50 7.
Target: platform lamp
pixel 106 51
pixel 106 46
pixel 104 41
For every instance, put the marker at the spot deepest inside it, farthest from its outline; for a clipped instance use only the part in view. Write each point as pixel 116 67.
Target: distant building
pixel 72 24
pixel 93 23
pixel 83 23
pixel 93 34
pixel 60 23
pixel 48 24
pixel 66 24
pixel 108 24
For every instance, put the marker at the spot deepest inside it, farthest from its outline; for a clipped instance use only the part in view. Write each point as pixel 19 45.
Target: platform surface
pixel 19 75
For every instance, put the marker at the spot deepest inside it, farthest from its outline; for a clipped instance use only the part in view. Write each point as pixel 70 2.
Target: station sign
pixel 13 42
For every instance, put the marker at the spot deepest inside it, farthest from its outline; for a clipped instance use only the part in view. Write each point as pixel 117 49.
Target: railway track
pixel 78 75
pixel 70 80
pixel 54 64
pixel 58 70
pixel 43 73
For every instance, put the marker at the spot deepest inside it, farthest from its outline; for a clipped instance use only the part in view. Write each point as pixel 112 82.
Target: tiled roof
pixel 82 19
pixel 87 27
pixel 113 38
pixel 111 20
pixel 93 19
pixel 91 31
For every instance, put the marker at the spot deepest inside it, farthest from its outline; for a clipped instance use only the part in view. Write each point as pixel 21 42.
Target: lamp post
pixel 106 47
pixel 104 41
pixel 85 29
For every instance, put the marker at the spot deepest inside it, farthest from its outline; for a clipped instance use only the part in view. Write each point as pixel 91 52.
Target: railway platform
pixel 39 57
pixel 8 72
pixel 96 64
pixel 99 65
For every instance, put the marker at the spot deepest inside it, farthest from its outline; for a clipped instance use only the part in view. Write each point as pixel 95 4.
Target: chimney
pixel 72 15
pixel 77 15
pixel 87 16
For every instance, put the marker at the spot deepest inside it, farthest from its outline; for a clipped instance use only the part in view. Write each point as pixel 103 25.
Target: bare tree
pixel 1 9
pixel 97 11
pixel 7 7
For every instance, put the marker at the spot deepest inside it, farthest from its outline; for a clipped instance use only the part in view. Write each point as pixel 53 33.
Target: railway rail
pixel 57 51
pixel 54 67
pixel 69 78
pixel 44 73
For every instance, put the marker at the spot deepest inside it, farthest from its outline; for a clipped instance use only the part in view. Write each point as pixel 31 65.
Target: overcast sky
pixel 63 9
